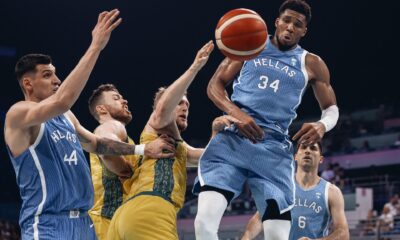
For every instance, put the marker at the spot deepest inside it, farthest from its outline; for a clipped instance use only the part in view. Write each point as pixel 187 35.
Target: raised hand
pixel 162 147
pixel 202 56
pixel 106 23
pixel 310 133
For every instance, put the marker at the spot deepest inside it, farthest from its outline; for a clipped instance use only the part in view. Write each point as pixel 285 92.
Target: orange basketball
pixel 241 34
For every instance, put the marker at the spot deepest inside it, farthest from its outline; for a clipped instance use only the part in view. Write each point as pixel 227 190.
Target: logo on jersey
pixel 318 195
pixel 58 135
pixel 307 204
pixel 294 61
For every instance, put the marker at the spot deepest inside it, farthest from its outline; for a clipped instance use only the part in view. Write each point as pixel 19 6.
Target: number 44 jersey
pixel 310 214
pixel 53 174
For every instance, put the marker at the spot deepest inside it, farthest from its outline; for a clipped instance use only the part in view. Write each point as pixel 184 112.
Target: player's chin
pixel 182 125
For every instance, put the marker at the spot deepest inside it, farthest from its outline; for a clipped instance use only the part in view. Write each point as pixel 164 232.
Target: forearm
pixel 217 94
pixel 174 94
pixel 107 146
pixel 73 85
pixel 118 165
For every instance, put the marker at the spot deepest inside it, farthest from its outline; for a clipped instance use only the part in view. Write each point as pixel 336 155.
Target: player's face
pixel 308 157
pixel 182 114
pixel 291 26
pixel 43 83
pixel 117 106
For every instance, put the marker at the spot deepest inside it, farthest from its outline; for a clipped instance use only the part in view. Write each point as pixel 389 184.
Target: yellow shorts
pixel 101 225
pixel 145 217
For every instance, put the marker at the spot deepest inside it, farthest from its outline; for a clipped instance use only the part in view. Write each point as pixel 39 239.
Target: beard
pixel 181 126
pixel 121 116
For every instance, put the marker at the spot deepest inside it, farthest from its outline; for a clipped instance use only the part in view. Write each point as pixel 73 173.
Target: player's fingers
pixel 111 17
pixel 232 119
pixel 168 147
pixel 299 133
pixel 168 139
pixel 259 132
pixel 115 24
pixel 167 155
pixel 101 16
pixel 107 16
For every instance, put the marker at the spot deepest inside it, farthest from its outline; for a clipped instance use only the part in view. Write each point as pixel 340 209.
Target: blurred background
pixel 156 43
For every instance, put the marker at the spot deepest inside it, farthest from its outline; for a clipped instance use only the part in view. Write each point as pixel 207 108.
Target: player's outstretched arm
pixel 162 147
pixel 254 227
pixel 311 133
pixel 26 114
pixel 162 115
pixel 225 73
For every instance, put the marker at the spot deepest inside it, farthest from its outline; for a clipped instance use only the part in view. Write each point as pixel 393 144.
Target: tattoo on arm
pixel 107 146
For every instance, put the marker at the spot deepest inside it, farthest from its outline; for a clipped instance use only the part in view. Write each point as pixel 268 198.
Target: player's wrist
pixel 139 149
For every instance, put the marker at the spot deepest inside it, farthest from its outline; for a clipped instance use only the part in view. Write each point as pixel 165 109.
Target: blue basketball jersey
pixel 310 214
pixel 270 86
pixel 53 174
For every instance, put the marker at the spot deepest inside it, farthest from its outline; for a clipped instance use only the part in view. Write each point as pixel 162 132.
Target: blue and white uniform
pixel 55 185
pixel 269 88
pixel 310 215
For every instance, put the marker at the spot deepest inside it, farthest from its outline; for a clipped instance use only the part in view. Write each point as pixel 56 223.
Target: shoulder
pixel 17 112
pixel 316 67
pixel 334 193
pixel 113 127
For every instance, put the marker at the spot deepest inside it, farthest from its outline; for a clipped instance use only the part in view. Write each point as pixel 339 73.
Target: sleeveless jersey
pixel 52 174
pixel 109 192
pixel 269 87
pixel 164 177
pixel 310 215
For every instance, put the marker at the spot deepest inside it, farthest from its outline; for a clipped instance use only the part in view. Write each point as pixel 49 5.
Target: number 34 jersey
pixel 310 215
pixel 53 174
pixel 270 86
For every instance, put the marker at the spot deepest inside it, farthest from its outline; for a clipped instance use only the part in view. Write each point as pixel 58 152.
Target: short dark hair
pixel 158 95
pixel 28 63
pixel 299 6
pixel 318 143
pixel 94 99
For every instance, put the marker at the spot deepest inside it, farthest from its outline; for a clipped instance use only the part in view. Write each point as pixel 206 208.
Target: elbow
pixel 157 121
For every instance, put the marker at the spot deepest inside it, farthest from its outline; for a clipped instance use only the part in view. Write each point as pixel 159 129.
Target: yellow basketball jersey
pixel 109 192
pixel 164 177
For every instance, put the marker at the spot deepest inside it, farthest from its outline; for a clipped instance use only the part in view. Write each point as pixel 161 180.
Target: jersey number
pixel 302 222
pixel 71 159
pixel 264 84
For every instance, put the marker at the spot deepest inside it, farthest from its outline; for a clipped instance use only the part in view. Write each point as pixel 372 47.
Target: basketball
pixel 241 34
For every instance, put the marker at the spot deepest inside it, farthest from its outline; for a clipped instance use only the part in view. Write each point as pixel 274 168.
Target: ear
pixel 276 22
pixel 295 157
pixel 27 84
pixel 101 110
pixel 304 33
pixel 321 160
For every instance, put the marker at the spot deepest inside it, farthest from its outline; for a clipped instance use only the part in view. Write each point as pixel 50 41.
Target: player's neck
pixel 307 180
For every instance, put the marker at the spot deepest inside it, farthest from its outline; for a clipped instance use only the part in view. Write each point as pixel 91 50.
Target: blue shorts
pixel 268 166
pixel 60 226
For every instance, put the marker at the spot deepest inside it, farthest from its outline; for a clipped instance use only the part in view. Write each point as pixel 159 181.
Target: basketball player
pixel 45 142
pixel 318 203
pixel 111 110
pixel 266 92
pixel 158 192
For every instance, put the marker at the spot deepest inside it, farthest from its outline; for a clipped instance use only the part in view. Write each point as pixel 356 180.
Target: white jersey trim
pixel 328 221
pixel 294 190
pixel 42 182
pixel 39 136
pixel 304 71
pixel 69 120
